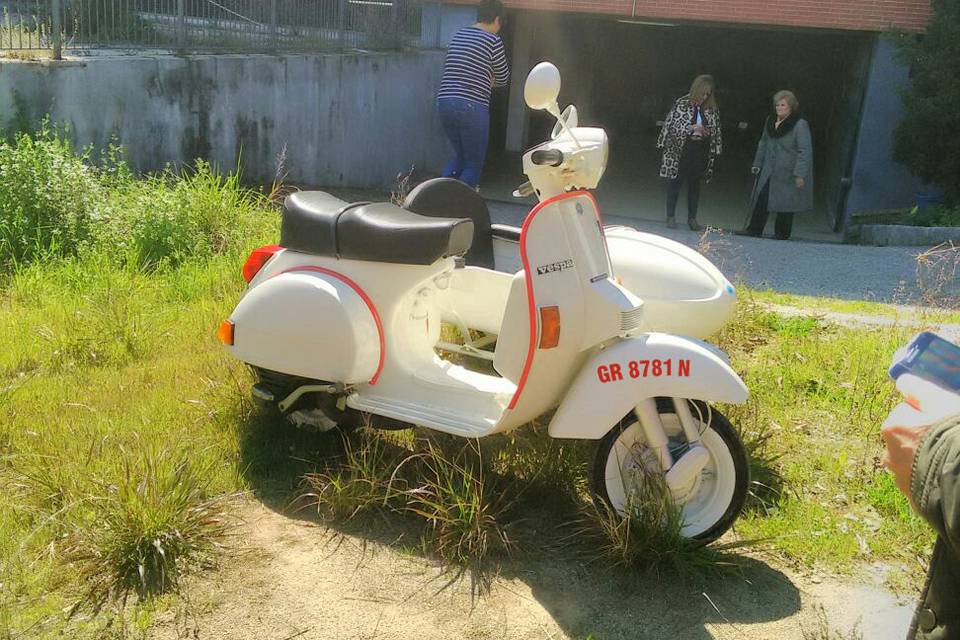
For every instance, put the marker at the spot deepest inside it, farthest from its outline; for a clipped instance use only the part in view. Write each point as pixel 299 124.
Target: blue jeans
pixel 467 125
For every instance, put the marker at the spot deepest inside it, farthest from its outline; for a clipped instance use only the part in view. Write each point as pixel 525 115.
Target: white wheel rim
pixel 717 484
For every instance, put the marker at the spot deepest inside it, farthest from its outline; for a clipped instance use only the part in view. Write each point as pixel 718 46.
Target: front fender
pixel 651 365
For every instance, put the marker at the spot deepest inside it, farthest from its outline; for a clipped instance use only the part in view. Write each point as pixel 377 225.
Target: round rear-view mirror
pixel 542 86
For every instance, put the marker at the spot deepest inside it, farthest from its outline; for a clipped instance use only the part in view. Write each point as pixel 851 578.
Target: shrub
pixel 170 217
pixel 49 197
pixel 940 216
pixel 920 141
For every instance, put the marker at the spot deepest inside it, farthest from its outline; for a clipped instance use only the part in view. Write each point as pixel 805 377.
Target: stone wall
pixel 342 120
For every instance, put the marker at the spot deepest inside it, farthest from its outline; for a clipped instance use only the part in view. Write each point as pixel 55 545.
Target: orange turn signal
pixel 912 401
pixel 225 333
pixel 549 327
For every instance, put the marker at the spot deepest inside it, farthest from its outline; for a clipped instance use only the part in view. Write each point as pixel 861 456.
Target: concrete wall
pixel 345 120
pixel 878 181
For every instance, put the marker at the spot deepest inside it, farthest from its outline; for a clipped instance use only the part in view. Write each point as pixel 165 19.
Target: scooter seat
pixel 319 224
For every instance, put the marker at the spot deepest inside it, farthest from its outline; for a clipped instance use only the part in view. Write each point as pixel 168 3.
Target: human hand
pixel 799 182
pixel 924 405
pixel 755 170
pixel 902 443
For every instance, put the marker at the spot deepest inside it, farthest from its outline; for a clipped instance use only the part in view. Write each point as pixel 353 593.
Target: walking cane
pixel 753 191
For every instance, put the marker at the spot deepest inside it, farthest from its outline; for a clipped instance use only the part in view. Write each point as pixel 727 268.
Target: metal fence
pixel 208 25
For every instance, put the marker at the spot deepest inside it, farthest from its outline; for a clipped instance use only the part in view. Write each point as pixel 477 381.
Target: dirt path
pixel 290 578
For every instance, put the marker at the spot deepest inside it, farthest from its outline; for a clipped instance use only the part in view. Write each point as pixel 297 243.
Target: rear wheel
pixel 711 502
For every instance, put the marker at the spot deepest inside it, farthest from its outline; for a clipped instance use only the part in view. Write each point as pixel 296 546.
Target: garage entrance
pixel 624 75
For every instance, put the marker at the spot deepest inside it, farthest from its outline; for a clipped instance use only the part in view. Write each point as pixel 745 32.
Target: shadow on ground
pixel 578 598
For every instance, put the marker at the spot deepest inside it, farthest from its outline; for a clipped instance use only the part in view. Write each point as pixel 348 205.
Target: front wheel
pixel 712 502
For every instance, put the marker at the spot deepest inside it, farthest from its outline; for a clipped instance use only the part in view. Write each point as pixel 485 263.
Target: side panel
pixel 309 323
pixel 614 381
pixel 682 291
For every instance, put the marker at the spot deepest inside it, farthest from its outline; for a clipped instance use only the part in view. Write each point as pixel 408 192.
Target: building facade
pixel 625 61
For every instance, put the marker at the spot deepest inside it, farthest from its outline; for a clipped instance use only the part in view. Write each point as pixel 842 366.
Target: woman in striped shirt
pixel 475 64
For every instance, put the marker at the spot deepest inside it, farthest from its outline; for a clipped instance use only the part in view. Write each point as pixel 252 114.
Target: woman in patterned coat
pixel 691 140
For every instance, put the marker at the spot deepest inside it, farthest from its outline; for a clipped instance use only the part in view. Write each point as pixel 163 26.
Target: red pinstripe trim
pixel 531 305
pixel 366 299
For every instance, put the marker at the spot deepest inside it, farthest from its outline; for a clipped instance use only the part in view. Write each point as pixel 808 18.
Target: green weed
pixel 50 197
pixel 465 510
pixel 366 477
pixel 143 533
pixel 649 536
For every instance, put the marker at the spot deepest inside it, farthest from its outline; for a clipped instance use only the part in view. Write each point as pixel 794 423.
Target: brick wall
pixel 861 15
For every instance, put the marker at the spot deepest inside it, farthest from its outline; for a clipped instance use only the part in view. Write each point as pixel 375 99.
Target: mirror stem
pixel 554 110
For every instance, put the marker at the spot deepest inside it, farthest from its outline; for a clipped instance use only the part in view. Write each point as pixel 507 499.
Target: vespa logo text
pixel 556 266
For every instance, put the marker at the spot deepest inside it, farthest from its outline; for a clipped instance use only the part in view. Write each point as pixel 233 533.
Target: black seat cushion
pixel 317 223
pixel 382 232
pixel 443 197
pixel 309 222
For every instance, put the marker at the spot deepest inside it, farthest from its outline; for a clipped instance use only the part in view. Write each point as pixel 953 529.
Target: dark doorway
pixel 625 75
pixel 500 98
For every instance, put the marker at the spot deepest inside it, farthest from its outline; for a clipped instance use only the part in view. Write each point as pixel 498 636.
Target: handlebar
pixel 548 157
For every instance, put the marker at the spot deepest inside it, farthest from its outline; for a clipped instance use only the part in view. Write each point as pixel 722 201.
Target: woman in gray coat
pixel 784 166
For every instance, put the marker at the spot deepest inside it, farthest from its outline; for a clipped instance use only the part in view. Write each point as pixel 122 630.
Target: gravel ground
pixel 884 274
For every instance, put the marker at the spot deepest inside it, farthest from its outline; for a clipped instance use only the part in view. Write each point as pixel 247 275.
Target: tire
pixel 717 495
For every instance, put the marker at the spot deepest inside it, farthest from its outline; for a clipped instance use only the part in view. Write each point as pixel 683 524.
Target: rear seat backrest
pixel 449 198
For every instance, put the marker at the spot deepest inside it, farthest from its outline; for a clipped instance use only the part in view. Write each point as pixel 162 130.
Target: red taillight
pixel 257 259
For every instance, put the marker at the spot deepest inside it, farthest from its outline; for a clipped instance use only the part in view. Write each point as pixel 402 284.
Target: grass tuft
pixel 465 511
pixel 367 477
pixel 143 533
pixel 649 536
pixel 460 510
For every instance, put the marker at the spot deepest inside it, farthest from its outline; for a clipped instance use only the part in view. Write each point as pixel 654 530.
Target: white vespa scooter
pixel 682 291
pixel 344 319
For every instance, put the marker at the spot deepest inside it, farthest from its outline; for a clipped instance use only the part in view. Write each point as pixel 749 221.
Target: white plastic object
pixel 684 471
pixel 936 403
pixel 598 397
